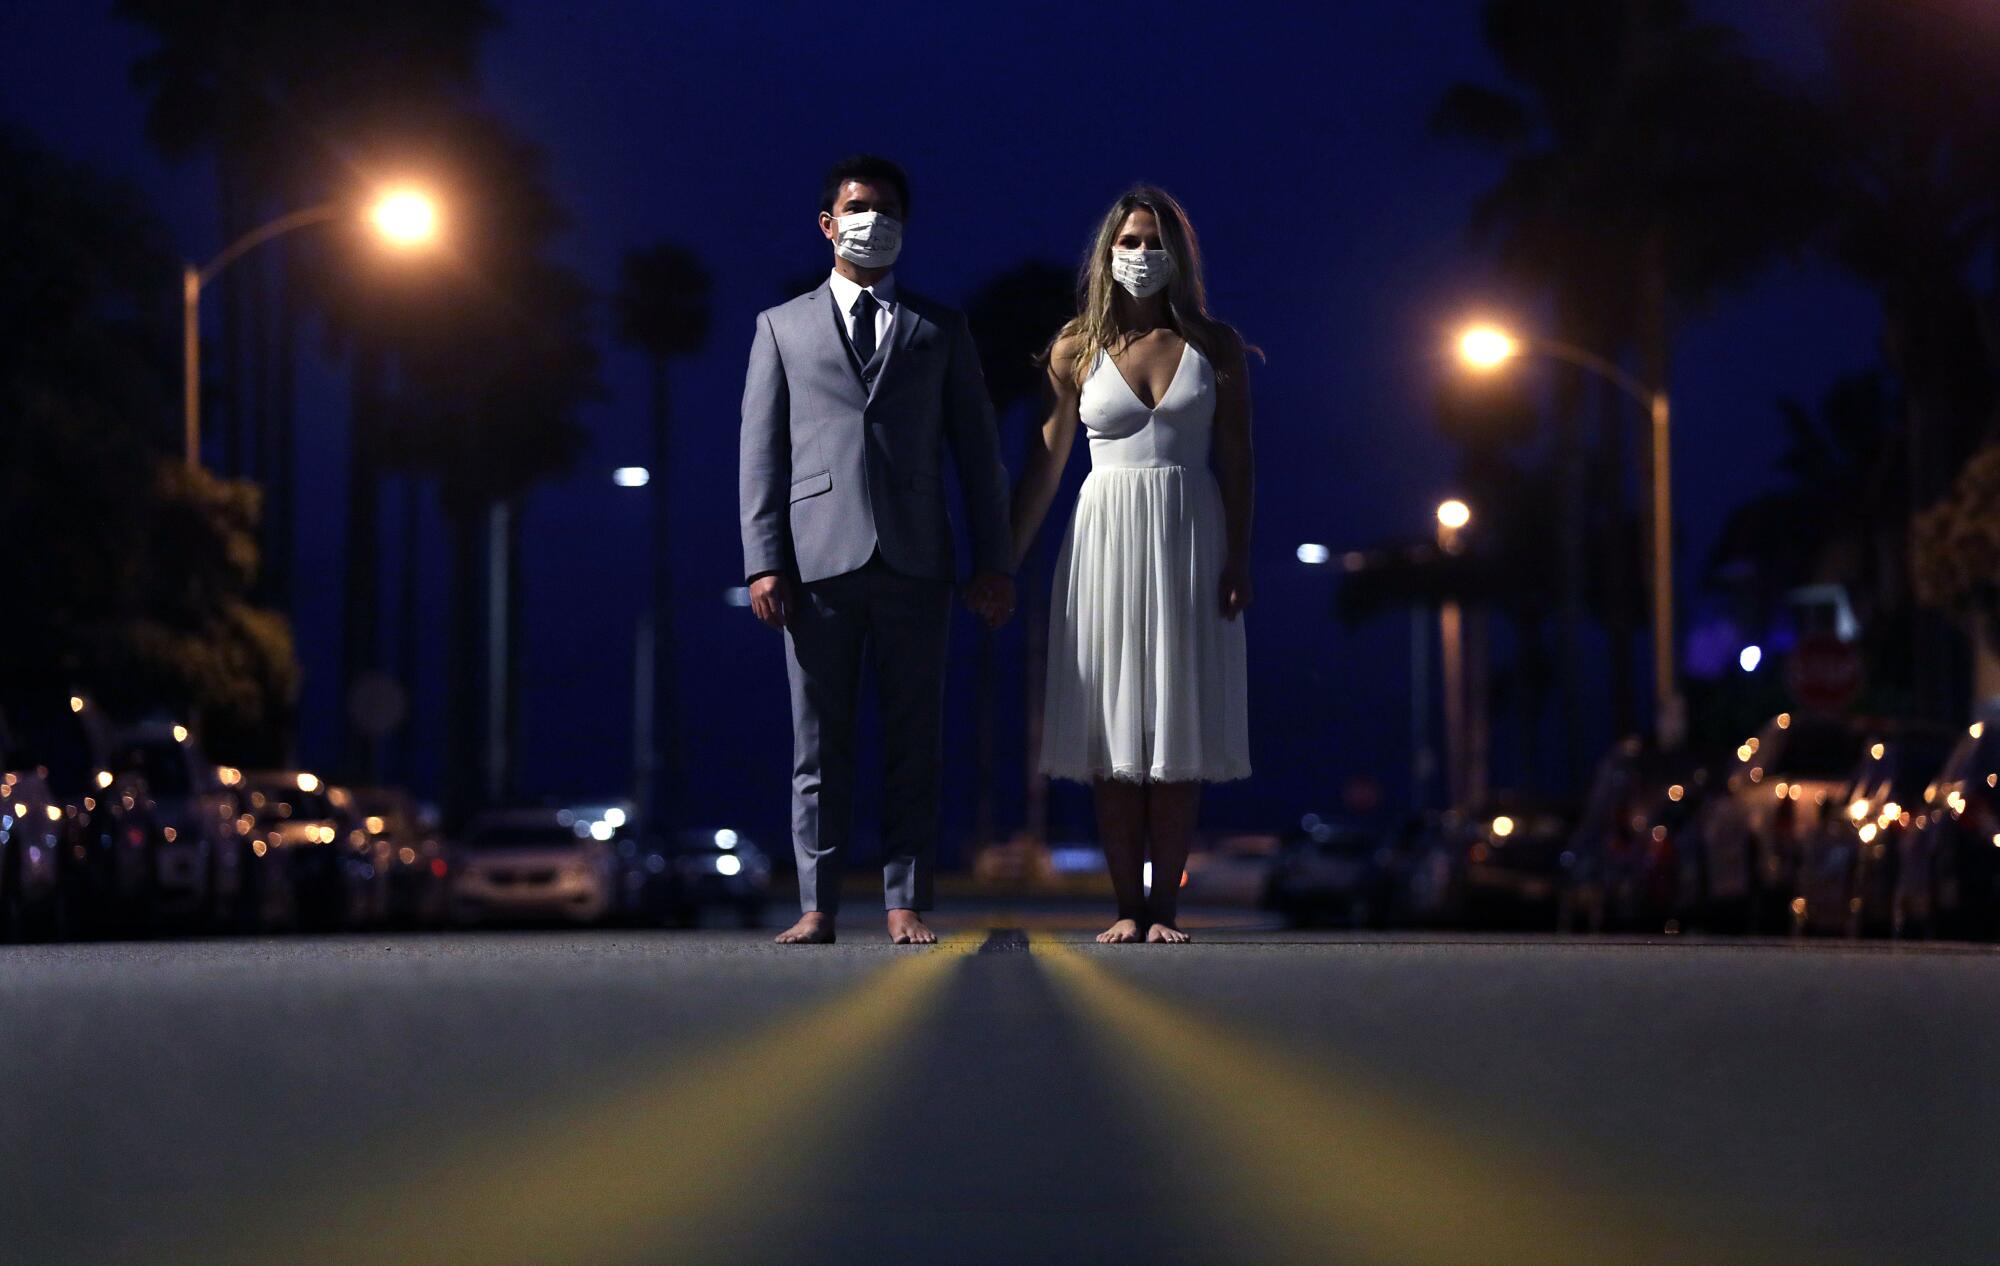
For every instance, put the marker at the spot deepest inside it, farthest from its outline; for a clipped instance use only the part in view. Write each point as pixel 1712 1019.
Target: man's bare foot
pixel 906 927
pixel 1123 932
pixel 1165 934
pixel 813 928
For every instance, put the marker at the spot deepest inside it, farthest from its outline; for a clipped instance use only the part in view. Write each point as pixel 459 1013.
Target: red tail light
pixel 437 867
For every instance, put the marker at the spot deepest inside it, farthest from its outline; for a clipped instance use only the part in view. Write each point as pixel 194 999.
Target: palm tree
pixel 1917 205
pixel 663 311
pixel 1013 317
pixel 1651 164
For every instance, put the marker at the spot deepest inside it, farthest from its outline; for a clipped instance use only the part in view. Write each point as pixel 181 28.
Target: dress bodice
pixel 1174 432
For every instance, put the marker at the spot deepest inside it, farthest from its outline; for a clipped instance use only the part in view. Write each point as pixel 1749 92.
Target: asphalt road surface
pixel 1016 1095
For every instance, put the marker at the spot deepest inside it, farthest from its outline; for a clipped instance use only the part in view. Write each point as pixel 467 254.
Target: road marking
pixel 1324 1163
pixel 680 1162
pixel 1005 941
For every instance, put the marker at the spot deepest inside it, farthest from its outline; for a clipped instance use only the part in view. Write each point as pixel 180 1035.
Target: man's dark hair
pixel 872 168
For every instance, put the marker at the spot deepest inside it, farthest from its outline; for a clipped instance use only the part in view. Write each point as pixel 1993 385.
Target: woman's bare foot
pixel 813 928
pixel 906 927
pixel 1123 932
pixel 1165 934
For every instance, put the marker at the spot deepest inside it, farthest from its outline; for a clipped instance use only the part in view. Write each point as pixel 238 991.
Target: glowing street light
pixel 631 476
pixel 1485 347
pixel 402 218
pixel 405 218
pixel 1454 514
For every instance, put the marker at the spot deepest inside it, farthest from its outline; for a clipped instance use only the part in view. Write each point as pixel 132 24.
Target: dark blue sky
pixel 1293 133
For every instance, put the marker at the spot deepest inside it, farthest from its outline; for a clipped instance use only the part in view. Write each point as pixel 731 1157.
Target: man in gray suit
pixel 854 392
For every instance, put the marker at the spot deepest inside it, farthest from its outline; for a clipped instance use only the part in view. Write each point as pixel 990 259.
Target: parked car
pixel 1500 862
pixel 328 861
pixel 1023 860
pixel 531 864
pixel 109 869
pixel 1849 860
pixel 267 899
pixel 1429 869
pixel 412 853
pixel 200 856
pixel 1228 870
pixel 1627 868
pixel 1748 830
pixel 1515 853
pixel 1948 877
pixel 1331 871
pixel 720 869
pixel 34 830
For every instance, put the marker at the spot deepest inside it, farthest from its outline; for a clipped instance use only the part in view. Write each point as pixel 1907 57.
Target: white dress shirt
pixel 846 293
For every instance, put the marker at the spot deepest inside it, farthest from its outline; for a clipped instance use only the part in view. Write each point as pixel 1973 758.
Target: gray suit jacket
pixel 832 468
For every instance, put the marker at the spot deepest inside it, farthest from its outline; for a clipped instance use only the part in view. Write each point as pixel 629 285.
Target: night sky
pixel 1294 135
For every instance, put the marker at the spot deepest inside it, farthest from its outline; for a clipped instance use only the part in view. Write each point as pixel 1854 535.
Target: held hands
pixel 1234 588
pixel 991 597
pixel 771 600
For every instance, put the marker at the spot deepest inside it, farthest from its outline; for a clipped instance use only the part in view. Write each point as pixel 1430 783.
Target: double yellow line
pixel 664 1168
pixel 1319 1162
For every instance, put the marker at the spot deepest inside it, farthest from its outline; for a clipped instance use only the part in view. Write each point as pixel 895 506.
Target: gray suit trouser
pixel 898 625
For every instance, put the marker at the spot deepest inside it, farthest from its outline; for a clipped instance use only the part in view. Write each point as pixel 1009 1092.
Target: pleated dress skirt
pixel 1146 679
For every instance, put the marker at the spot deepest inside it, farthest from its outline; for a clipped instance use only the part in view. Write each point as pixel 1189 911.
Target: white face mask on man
pixel 1142 273
pixel 868 239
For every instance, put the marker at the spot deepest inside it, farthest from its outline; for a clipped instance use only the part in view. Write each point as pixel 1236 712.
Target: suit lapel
pixel 901 330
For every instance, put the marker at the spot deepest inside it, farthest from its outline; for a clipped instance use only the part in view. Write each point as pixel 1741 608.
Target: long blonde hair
pixel 1095 325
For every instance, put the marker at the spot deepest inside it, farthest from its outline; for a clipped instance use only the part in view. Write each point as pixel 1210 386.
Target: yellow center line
pixel 1321 1162
pixel 678 1159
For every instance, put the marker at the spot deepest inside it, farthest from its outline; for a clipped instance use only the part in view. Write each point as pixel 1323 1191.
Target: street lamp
pixel 402 218
pixel 1486 348
pixel 1452 517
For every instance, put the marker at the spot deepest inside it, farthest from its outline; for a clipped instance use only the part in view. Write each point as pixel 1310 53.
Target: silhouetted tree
pixel 276 93
pixel 128 574
pixel 1916 204
pixel 1012 319
pixel 663 311
pixel 1652 163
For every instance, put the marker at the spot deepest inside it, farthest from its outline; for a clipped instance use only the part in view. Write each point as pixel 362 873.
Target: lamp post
pixel 1452 517
pixel 402 218
pixel 645 663
pixel 1485 348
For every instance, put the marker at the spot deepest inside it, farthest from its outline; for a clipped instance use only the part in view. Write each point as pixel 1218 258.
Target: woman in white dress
pixel 1145 694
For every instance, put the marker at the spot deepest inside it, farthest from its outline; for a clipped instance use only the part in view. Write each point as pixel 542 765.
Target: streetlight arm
pixel 258 236
pixel 1598 365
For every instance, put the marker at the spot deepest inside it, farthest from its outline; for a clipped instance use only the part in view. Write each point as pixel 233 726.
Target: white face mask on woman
pixel 868 239
pixel 1143 273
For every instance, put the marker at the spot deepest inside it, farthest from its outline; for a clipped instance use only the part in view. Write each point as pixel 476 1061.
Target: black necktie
pixel 864 326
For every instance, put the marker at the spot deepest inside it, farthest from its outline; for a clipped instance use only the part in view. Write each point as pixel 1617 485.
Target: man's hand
pixel 771 600
pixel 991 597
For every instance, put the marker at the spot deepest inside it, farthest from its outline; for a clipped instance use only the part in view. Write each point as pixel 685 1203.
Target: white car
pixel 1751 831
pixel 532 864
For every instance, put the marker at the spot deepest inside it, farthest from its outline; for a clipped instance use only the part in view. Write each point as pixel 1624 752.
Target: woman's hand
pixel 1234 588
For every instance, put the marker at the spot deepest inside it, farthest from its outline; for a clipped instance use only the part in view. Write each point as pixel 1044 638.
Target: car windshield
pixel 285 802
pixel 59 743
pixel 160 762
pixel 1917 762
pixel 499 837
pixel 1809 750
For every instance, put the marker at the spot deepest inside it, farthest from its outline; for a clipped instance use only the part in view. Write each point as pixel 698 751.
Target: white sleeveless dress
pixel 1146 679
